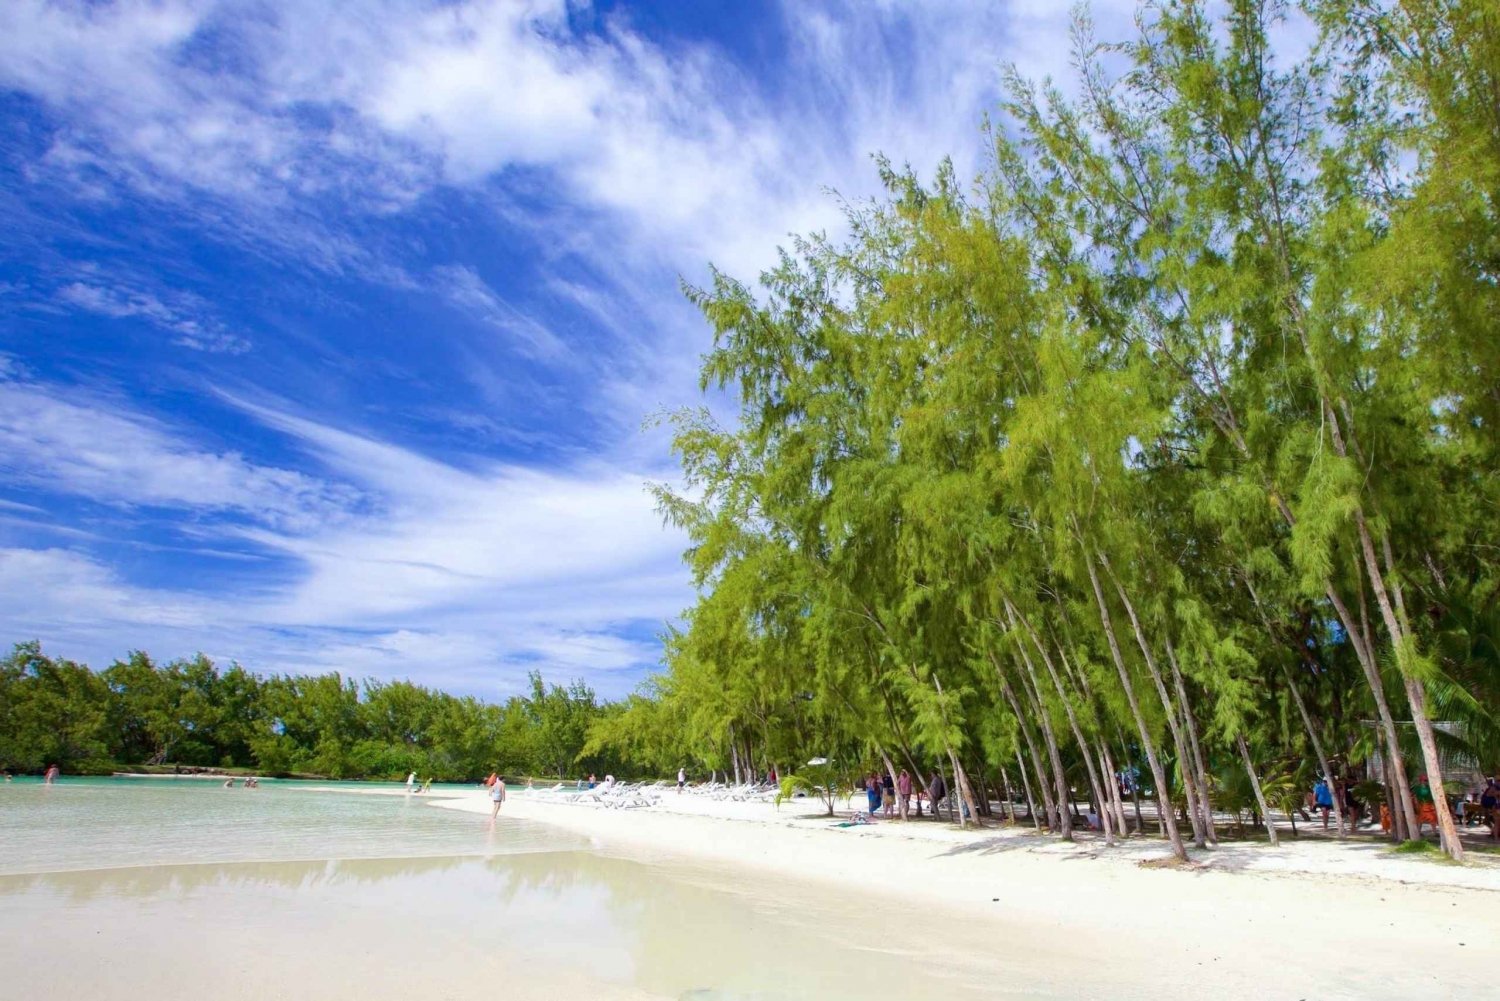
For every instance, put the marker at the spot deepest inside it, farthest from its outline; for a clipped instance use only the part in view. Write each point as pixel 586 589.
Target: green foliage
pixel 1193 386
pixel 191 712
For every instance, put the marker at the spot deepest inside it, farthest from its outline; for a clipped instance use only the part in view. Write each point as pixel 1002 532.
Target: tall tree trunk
pixel 1059 776
pixel 1015 705
pixel 1030 800
pixel 1416 693
pixel 734 755
pixel 1198 764
pixel 1184 762
pixel 1148 745
pixel 1083 747
pixel 1112 789
pixel 1399 830
pixel 1010 802
pixel 890 769
pixel 1359 640
pixel 965 793
pixel 1260 797
pixel 1317 745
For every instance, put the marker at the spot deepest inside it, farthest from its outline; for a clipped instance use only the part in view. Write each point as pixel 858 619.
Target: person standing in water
pixel 50 776
pixel 497 796
pixel 411 781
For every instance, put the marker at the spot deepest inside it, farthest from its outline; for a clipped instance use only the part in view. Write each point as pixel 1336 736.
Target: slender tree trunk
pixel 734 755
pixel 1059 776
pixel 1030 800
pixel 1010 803
pixel 965 793
pixel 1083 747
pixel 1260 797
pixel 1199 765
pixel 1416 693
pixel 1184 764
pixel 1112 790
pixel 1317 745
pixel 1399 830
pixel 890 769
pixel 1359 640
pixel 1158 774
pixel 1015 705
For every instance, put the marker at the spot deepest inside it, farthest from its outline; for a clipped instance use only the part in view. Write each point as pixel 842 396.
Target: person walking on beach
pixel 681 779
pixel 497 796
pixel 888 789
pixel 872 793
pixel 411 781
pixel 937 791
pixel 903 789
pixel 1323 799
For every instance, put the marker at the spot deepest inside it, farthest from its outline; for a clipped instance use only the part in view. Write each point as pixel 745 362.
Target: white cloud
pixel 467 291
pixel 391 558
pixel 184 316
pixel 87 447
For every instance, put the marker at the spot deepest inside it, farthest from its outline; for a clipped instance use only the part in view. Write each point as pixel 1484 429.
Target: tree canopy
pixel 1168 444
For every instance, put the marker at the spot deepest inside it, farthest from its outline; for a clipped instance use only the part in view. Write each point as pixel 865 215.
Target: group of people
pixel 883 790
pixel 1480 806
pixel 250 783
pixel 1322 795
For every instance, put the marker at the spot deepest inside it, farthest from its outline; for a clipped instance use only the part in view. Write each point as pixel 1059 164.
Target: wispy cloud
pixel 466 291
pixel 92 448
pixel 183 317
pixel 516 566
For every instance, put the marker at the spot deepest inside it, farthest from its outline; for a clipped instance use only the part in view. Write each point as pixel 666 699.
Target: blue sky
pixel 327 331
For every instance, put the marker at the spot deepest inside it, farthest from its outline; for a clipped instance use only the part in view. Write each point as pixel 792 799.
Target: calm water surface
pixel 136 889
pixel 102 823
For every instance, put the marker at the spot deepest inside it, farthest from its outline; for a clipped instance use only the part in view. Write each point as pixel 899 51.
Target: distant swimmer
pixel 51 774
pixel 229 783
pixel 497 796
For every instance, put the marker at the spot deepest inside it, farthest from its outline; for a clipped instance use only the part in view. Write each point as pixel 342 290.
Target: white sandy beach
pixel 1313 918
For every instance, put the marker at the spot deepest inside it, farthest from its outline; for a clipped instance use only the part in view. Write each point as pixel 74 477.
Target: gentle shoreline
pixel 1315 908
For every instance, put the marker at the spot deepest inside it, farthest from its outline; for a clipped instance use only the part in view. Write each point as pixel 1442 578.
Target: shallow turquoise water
pixel 135 889
pixel 85 823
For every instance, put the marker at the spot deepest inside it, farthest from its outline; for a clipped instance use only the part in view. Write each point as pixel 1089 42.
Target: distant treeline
pixel 193 712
